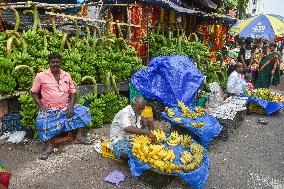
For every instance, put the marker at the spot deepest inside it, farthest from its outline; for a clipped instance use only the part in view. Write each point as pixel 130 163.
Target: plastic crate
pixel 200 102
pixel 11 122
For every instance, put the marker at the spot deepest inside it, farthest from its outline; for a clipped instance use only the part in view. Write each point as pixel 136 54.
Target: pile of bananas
pixel 161 157
pixel 174 139
pixel 160 135
pixel 255 108
pixel 192 160
pixel 185 141
pixel 266 94
pixel 199 111
pixel 157 156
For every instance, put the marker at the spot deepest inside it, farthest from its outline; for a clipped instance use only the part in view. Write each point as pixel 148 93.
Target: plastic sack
pixel 211 130
pixel 268 106
pixel 196 178
pixel 216 96
pixel 5 178
pixel 168 79
pixel 17 137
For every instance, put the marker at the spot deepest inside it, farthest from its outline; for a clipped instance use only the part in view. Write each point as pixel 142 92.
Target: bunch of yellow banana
pixel 174 139
pixel 200 111
pixel 197 125
pixel 266 94
pixel 185 141
pixel 177 119
pixel 192 115
pixel 170 112
pixel 141 140
pixel 184 109
pixel 278 98
pixel 186 157
pixel 160 135
pixel 192 162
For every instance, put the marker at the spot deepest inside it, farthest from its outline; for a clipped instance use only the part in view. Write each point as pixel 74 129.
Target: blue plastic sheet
pixel 268 106
pixel 168 79
pixel 211 130
pixel 196 178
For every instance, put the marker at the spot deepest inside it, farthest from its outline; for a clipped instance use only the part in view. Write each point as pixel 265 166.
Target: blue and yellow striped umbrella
pixel 261 26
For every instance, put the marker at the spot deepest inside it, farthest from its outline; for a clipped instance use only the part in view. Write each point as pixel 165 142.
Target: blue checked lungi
pixel 54 122
pixel 121 147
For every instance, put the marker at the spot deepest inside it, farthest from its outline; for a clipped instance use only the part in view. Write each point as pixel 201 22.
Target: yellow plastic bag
pixel 147 112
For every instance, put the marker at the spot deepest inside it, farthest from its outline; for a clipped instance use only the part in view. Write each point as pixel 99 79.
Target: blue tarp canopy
pixel 169 79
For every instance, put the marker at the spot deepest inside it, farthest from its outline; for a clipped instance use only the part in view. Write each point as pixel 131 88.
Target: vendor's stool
pixel 67 138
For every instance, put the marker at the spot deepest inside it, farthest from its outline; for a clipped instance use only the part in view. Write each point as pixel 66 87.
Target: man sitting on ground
pixel 126 124
pixel 235 81
pixel 51 91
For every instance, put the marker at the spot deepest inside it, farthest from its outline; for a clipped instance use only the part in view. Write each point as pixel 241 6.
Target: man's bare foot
pixel 83 140
pixel 46 153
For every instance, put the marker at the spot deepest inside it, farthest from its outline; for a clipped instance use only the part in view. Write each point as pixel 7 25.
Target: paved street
pixel 252 158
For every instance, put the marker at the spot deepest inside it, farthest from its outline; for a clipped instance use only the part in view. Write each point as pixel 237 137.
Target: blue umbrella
pixel 261 26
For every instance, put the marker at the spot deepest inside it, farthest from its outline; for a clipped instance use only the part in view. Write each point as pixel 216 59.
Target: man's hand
pixel 152 136
pixel 273 72
pixel 43 108
pixel 70 112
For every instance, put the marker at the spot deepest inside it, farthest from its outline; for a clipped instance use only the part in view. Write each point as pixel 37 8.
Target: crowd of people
pixel 253 64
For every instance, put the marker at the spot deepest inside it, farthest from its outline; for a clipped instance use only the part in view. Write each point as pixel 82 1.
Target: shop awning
pixel 170 5
pixel 167 4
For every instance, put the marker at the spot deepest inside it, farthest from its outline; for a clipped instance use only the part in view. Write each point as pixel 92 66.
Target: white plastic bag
pixel 17 137
pixel 216 96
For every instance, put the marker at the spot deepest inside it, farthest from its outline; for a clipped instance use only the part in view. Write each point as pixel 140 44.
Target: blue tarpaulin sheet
pixel 211 129
pixel 196 178
pixel 268 106
pixel 169 79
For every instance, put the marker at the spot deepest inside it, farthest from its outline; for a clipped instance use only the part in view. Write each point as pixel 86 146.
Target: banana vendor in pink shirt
pixel 54 93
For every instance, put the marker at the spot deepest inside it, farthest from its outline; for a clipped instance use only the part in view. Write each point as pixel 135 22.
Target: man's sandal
pixel 46 154
pixel 84 141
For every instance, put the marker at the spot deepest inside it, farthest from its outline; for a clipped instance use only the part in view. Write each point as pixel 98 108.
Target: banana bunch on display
pixel 192 115
pixel 170 112
pixel 184 109
pixel 266 94
pixel 200 111
pixel 197 125
pixel 160 135
pixel 186 157
pixel 254 107
pixel 185 141
pixel 177 119
pixel 174 139
pixel 157 156
pixel 194 161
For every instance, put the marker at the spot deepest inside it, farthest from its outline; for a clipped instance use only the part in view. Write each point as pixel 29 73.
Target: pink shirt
pixel 54 95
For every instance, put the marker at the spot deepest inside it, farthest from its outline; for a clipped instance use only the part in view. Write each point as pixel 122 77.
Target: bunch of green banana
pixel 194 159
pixel 29 111
pixel 24 76
pixel 8 82
pixel 185 141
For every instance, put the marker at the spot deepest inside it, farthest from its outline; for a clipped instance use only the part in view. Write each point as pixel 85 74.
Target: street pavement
pixel 251 158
